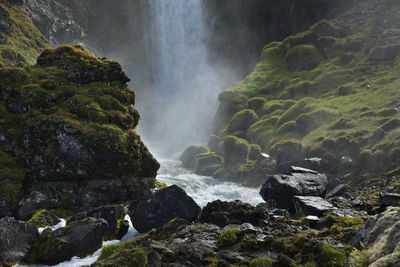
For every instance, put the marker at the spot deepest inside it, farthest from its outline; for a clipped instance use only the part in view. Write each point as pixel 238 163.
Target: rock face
pixel 383 236
pixel 113 214
pixel 16 238
pixel 161 207
pixel 306 205
pixel 390 199
pixel 69 125
pixel 78 238
pixel 281 188
pixel 28 205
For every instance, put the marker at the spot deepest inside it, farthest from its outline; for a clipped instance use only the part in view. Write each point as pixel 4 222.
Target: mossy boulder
pixel 68 118
pixel 303 57
pixel 207 163
pixel 44 218
pixel 235 150
pixel 190 154
pixel 241 121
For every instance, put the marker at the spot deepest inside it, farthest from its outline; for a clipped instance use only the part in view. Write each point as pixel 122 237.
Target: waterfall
pixel 182 94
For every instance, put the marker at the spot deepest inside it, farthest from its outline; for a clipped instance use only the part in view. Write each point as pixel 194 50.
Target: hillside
pixel 329 93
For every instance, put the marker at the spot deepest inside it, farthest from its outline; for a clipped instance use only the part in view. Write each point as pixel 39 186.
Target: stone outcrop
pixel 280 189
pixel 161 207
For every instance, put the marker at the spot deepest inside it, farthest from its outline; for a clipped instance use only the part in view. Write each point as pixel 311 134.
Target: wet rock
pixel 384 52
pixel 78 238
pixel 312 220
pixel 339 190
pixel 161 207
pixel 287 152
pixel 189 156
pixel 307 205
pixel 122 229
pixel 309 163
pixel 29 205
pixel 44 218
pixel 390 199
pixel 280 189
pixel 325 222
pixel 16 238
pixel 113 214
pixel 383 235
pixel 222 213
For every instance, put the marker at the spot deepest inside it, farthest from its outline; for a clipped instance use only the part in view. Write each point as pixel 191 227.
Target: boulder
pixel 161 207
pixel 308 205
pixel 235 150
pixel 30 204
pixel 113 214
pixel 44 218
pixel 222 213
pixel 383 236
pixel 384 52
pixel 280 189
pixel 241 121
pixel 207 163
pixel 287 151
pixel 16 239
pixel 390 199
pixel 78 238
pixel 189 156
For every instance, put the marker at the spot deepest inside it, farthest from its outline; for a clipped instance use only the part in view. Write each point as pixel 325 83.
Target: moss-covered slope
pixel 20 40
pixel 330 92
pixel 68 118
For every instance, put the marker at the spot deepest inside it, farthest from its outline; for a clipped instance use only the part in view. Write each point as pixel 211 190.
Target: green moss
pixel 303 57
pixel 331 257
pixel 235 150
pixel 138 258
pixel 109 250
pixel 262 262
pixel 359 258
pixel 229 237
pixel 241 121
pixel 24 41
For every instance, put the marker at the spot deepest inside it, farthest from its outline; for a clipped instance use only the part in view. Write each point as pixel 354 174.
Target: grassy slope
pixel 337 104
pixel 24 42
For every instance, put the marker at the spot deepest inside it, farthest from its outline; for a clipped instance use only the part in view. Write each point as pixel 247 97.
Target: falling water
pixel 184 89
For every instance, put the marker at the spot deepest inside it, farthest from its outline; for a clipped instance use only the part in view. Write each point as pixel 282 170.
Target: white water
pixel 204 189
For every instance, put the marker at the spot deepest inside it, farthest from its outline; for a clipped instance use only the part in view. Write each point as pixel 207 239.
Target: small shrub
pixel 262 262
pixel 331 257
pixel 229 237
pixel 138 258
pixel 359 258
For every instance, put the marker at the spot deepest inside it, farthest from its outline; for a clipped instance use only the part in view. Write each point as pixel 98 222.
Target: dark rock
pixel 378 135
pixel 78 238
pixel 384 52
pixel 222 213
pixel 281 188
pixel 161 207
pixel 309 163
pixel 346 59
pixel 337 191
pixel 113 214
pixel 122 229
pixel 16 238
pixel 307 205
pixel 391 125
pixel 362 236
pixel 288 151
pixel 312 220
pixel 390 199
pixel 325 222
pixel 35 201
pixel 44 218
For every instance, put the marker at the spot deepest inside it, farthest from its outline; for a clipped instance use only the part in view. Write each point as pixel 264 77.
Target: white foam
pixel 62 223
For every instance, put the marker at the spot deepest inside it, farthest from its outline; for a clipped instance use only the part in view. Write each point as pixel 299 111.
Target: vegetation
pixel 229 237
pixel 262 262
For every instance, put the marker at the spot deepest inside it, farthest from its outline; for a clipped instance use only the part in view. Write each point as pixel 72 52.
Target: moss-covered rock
pixel 236 150
pixel 68 118
pixel 241 121
pixel 208 163
pixel 190 154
